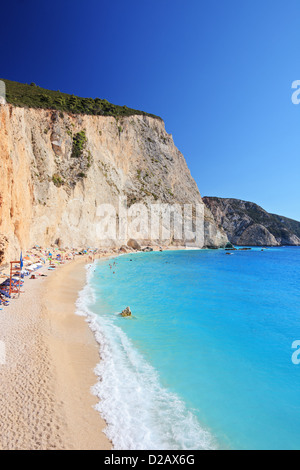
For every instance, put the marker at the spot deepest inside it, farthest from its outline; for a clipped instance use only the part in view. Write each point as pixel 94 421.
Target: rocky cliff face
pixel 57 168
pixel 245 223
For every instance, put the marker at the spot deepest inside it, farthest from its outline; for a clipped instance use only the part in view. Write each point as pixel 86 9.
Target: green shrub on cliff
pixel 32 96
pixel 57 180
pixel 79 141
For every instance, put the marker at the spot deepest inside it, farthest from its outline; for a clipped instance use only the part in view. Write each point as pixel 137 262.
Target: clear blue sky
pixel 218 72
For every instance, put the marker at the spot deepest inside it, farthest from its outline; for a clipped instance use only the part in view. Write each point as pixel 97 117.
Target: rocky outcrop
pixel 126 312
pixel 134 244
pixel 246 223
pixel 58 168
pixel 258 235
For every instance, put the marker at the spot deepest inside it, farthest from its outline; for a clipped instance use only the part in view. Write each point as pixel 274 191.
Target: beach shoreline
pixel 75 352
pixel 46 398
pixel 45 385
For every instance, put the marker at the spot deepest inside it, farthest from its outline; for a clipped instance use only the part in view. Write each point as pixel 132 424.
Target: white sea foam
pixel 139 412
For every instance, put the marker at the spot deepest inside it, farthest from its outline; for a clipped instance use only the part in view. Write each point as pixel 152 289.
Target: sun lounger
pixel 3 292
pixel 4 302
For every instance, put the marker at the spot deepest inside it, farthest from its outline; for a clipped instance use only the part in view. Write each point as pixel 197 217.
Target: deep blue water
pixel 206 360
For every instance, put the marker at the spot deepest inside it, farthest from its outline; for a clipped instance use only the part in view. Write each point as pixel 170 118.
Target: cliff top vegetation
pixel 33 96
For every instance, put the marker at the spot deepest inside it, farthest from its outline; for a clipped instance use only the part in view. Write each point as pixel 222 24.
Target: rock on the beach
pixel 229 246
pixel 126 312
pixel 134 244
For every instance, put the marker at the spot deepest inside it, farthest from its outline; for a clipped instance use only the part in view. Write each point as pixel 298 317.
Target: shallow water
pixel 206 360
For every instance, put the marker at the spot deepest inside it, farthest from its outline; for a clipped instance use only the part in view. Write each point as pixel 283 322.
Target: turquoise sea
pixel 206 362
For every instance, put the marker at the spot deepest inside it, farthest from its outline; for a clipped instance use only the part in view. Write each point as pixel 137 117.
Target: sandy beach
pixel 45 397
pixel 51 353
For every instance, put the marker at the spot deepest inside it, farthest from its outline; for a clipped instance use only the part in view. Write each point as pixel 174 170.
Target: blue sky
pixel 219 74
